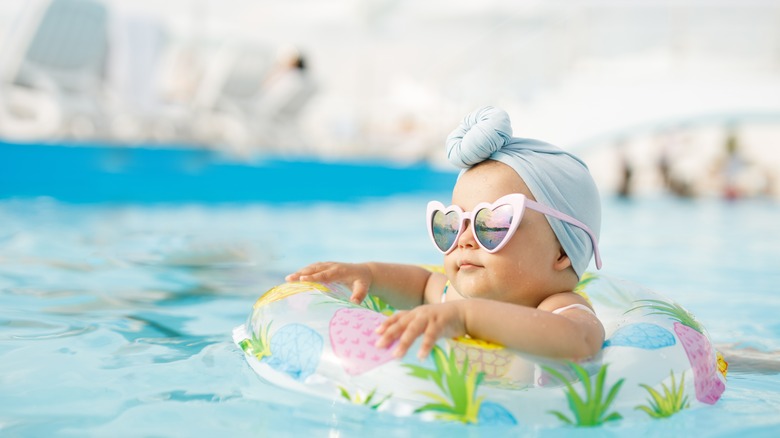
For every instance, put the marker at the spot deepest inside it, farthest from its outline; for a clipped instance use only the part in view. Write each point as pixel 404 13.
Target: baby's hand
pixel 431 321
pixel 357 276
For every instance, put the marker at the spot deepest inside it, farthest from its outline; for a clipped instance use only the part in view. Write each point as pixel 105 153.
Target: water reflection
pixel 105 328
pixel 23 329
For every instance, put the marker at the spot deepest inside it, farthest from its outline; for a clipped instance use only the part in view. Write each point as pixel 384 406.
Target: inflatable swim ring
pixel 657 360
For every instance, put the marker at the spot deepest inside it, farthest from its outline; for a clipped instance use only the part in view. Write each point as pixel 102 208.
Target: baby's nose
pixel 466 239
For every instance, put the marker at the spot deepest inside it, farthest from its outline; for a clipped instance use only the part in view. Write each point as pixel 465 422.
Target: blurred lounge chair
pixel 53 74
pixel 222 101
pixel 250 102
pixel 139 112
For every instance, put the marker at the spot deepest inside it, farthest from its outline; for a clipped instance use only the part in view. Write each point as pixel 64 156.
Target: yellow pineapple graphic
pixel 285 290
pixel 486 357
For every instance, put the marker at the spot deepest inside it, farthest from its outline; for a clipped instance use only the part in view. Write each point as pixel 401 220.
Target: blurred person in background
pixel 672 144
pixel 735 175
pixel 284 93
pixel 626 169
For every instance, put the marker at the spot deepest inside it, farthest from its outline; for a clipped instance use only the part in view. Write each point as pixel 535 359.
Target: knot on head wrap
pixel 556 178
pixel 479 135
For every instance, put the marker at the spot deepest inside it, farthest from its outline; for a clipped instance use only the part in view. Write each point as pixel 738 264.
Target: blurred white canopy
pixel 567 70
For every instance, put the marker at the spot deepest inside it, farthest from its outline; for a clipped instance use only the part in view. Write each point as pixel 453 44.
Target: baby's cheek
pixel 450 267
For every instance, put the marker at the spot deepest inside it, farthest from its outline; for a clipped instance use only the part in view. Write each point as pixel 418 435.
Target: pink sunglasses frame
pixel 519 203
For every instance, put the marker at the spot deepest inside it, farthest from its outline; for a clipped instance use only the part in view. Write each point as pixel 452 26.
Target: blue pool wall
pixel 92 173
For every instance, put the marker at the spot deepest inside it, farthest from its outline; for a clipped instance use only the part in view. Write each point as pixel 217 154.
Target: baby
pixel 521 230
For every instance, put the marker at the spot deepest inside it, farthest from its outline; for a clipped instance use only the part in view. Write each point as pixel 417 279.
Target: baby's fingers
pixel 401 330
pixel 359 291
pixel 296 276
pixel 428 341
pixel 390 321
pixel 313 272
pixel 358 294
pixel 413 330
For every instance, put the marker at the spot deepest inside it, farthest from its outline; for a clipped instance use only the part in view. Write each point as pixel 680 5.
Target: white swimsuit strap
pixel 444 292
pixel 573 306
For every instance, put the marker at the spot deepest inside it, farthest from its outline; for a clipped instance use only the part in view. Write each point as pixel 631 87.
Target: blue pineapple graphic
pixel 492 414
pixel 641 335
pixel 294 349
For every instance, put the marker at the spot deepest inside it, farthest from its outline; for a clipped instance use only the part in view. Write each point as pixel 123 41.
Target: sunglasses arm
pixel 541 208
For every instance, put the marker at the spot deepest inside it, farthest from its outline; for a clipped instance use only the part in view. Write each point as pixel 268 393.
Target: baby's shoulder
pixel 438 289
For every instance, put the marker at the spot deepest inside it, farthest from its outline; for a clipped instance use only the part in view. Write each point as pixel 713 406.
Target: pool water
pixel 115 320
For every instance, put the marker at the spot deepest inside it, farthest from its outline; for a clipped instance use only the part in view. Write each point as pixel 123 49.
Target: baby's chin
pixel 469 288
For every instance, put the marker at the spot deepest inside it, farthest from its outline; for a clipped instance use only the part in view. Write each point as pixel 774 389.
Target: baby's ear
pixel 562 262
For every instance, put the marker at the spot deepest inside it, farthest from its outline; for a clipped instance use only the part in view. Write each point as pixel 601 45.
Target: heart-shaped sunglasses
pixel 493 224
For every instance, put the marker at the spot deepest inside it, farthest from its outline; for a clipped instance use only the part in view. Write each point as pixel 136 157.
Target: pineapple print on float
pixel 709 386
pixel 294 350
pixel 352 338
pixel 657 360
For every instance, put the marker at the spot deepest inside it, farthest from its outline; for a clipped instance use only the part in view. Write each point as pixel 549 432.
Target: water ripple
pixel 40 330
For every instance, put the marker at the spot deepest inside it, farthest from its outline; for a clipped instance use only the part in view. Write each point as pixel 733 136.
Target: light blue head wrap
pixel 555 177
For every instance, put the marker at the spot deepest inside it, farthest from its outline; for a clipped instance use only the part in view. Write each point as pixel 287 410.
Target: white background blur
pixel 393 77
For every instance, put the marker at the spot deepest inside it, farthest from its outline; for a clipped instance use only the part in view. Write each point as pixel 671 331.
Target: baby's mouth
pixel 468 264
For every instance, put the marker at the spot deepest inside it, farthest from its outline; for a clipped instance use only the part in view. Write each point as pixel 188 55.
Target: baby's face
pixel 522 271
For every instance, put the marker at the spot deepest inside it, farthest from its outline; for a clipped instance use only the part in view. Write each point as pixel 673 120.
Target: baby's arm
pixel 401 286
pixel 574 334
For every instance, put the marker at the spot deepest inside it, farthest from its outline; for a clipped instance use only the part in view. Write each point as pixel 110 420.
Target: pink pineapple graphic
pixel 701 355
pixel 352 337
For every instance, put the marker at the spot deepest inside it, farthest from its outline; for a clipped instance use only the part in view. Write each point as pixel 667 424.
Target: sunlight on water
pixel 117 319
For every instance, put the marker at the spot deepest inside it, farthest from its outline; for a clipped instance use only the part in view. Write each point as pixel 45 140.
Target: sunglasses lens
pixel 492 226
pixel 445 229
